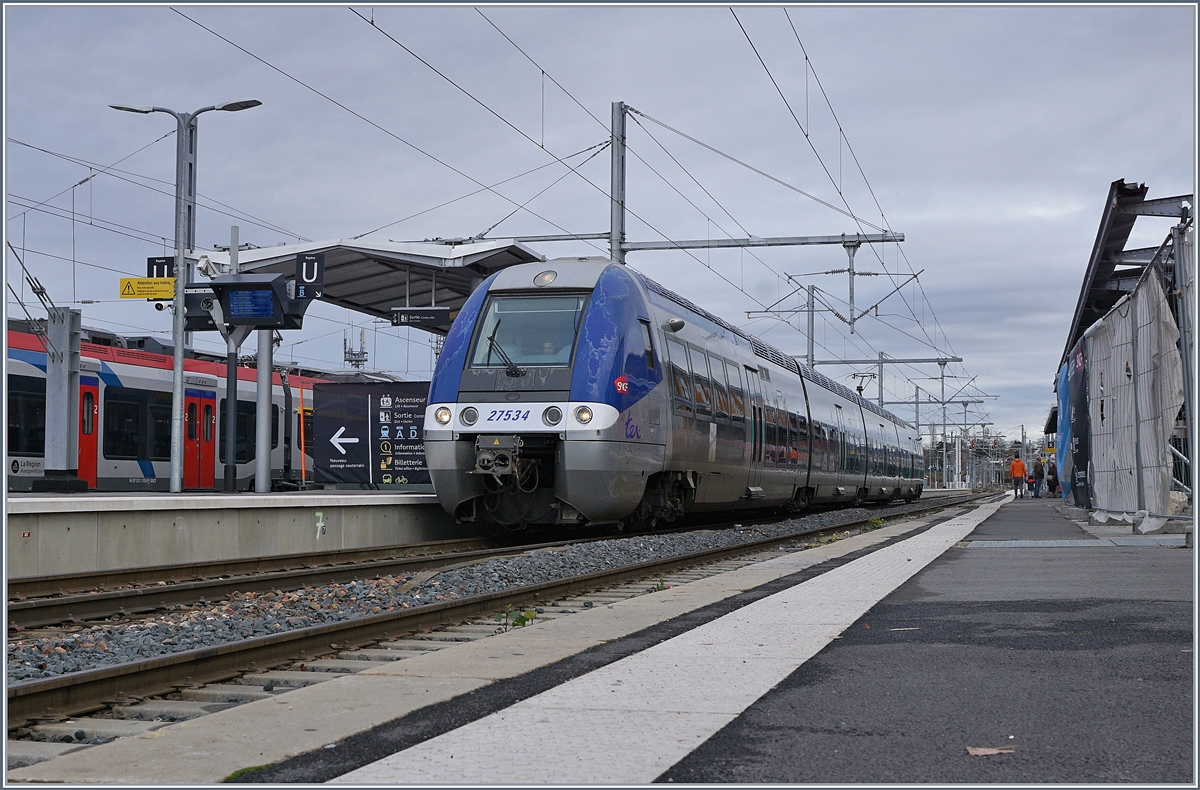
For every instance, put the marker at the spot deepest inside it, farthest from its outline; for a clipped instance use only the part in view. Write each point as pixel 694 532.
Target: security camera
pixel 206 305
pixel 160 306
pixel 207 268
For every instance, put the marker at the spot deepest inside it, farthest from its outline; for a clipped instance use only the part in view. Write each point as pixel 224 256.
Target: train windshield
pixel 528 330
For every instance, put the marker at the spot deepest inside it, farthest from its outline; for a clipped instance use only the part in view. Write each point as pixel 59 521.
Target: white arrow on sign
pixel 337 440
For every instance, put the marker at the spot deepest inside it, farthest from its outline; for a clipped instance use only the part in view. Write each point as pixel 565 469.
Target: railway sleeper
pixel 49 740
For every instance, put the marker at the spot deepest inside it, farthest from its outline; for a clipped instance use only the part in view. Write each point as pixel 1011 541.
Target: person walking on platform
pixel 1016 470
pixel 1039 475
pixel 1051 479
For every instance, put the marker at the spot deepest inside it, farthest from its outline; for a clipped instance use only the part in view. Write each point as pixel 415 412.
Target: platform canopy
pixel 1113 270
pixel 374 277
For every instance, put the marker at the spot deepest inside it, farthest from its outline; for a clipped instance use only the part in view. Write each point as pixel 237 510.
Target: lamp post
pixel 185 198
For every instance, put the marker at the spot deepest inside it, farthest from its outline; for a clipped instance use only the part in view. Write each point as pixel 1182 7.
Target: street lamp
pixel 185 202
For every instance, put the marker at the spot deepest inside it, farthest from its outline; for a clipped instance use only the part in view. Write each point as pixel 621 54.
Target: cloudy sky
pixel 987 136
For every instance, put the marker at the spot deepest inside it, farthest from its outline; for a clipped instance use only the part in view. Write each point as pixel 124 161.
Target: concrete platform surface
pixel 208 749
pixel 1078 662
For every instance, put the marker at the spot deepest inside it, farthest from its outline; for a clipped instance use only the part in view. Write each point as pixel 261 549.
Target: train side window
pixel 702 386
pixel 650 363
pixel 793 445
pixel 122 428
pixel 763 373
pixel 158 448
pixel 209 419
pixel 308 432
pixel 244 433
pixel 720 391
pixel 26 415
pixel 770 437
pixel 274 426
pixel 191 422
pixel 89 413
pixel 737 397
pixel 681 384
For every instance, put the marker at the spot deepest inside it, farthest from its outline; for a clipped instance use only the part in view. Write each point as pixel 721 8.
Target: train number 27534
pixel 507 415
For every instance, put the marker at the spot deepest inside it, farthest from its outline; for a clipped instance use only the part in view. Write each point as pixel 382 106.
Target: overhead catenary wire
pixel 858 164
pixel 828 173
pixel 508 123
pixel 481 189
pixel 112 171
pixel 368 121
pixel 548 187
pixel 90 175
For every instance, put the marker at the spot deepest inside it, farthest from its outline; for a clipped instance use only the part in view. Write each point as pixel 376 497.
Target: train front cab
pixel 541 408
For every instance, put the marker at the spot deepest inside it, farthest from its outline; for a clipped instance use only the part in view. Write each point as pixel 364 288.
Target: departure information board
pixel 247 303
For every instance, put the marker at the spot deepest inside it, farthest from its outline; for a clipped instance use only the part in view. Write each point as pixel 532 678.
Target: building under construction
pixel 1125 386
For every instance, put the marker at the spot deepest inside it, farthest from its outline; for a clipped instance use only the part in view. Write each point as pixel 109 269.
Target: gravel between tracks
pixel 242 616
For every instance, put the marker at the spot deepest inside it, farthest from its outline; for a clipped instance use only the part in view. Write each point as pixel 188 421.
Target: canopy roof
pixel 1103 283
pixel 374 277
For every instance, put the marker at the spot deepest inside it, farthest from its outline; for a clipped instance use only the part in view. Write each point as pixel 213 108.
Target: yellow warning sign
pixel 147 287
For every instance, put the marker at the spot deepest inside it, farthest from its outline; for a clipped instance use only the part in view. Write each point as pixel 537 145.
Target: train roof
pixel 768 352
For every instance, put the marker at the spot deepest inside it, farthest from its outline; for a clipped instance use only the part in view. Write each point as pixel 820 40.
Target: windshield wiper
pixel 510 367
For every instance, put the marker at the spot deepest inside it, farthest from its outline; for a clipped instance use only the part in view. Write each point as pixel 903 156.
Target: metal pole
pixel 231 349
pixel 1137 411
pixel 917 407
pixel 881 379
pixel 850 250
pixel 812 304
pixel 617 217
pixel 230 412
pixel 1183 259
pixel 943 367
pixel 62 393
pixel 262 426
pixel 966 448
pixel 187 167
pixel 185 208
pixel 183 122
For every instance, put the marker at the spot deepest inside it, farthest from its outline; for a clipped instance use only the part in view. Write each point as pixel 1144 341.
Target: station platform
pixel 943 650
pixel 52 534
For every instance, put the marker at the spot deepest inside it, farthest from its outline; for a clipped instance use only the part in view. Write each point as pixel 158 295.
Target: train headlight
pixel 442 415
pixel 469 415
pixel 583 414
pixel 544 279
pixel 552 416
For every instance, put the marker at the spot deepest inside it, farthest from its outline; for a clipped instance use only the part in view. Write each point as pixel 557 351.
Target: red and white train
pixel 125 418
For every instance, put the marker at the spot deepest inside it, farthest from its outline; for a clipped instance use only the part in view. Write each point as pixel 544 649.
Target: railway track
pixel 40 602
pixel 52 699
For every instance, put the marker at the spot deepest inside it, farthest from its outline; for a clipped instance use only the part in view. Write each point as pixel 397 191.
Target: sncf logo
pixel 622 384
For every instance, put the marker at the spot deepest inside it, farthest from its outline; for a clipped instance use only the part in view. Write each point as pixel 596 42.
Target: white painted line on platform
pixel 627 722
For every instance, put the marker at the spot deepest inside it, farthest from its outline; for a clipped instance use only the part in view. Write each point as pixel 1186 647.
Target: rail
pixel 88 690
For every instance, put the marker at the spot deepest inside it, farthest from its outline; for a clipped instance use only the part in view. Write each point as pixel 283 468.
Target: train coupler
pixel 497 455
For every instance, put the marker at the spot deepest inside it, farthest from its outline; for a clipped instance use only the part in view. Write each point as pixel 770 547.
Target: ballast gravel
pixel 243 616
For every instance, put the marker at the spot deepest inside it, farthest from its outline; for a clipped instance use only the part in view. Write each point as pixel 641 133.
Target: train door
pixel 199 439
pixel 755 422
pixel 845 484
pixel 89 433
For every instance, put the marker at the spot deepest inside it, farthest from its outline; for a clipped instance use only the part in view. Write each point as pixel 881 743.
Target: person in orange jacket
pixel 1016 470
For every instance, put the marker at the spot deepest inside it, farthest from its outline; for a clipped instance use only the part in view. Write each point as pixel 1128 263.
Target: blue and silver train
pixel 578 391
